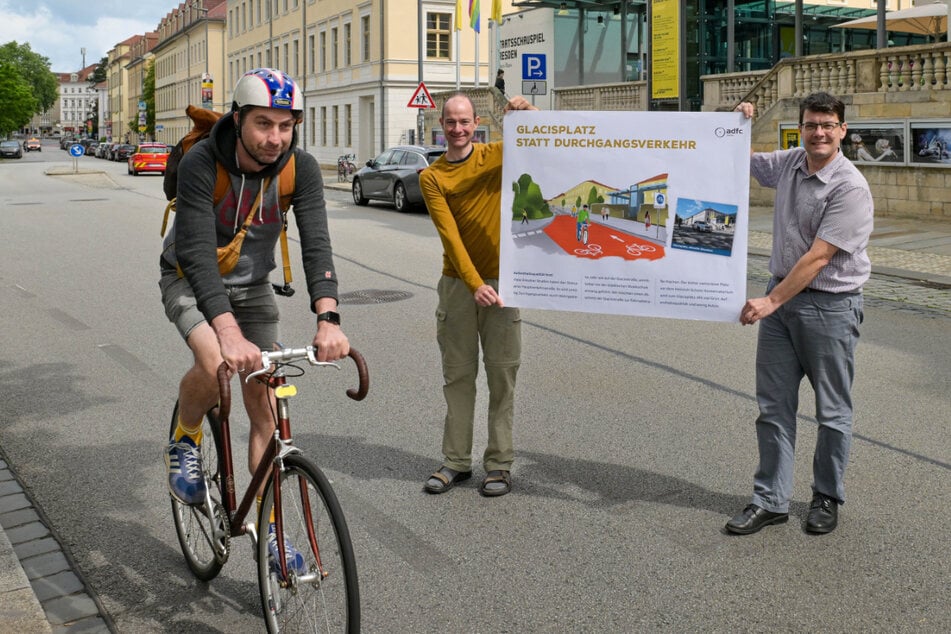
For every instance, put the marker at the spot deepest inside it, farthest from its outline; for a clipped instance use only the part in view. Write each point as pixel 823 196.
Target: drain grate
pixel 373 296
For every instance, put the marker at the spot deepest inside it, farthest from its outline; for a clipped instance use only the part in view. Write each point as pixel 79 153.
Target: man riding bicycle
pixel 233 316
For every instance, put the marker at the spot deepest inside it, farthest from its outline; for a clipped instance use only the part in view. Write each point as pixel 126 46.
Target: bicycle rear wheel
pixel 325 598
pixel 202 531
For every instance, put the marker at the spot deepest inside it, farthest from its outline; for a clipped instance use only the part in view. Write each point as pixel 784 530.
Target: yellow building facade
pixel 359 63
pixel 189 66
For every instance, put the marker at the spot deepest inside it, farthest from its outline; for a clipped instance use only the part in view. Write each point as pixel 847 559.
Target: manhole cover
pixel 373 296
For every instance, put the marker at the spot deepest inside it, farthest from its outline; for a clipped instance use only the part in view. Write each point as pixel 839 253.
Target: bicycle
pixel 306 512
pixel 345 167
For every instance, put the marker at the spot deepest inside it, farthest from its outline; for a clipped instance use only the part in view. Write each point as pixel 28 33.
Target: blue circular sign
pixel 76 150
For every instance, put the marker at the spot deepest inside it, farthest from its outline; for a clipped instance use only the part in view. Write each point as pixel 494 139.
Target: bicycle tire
pixel 330 604
pixel 203 533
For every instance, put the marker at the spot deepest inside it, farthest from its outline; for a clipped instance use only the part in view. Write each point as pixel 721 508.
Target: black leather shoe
pixel 753 518
pixel 823 514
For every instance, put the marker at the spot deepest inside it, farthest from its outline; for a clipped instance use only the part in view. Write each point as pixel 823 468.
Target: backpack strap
pixel 286 182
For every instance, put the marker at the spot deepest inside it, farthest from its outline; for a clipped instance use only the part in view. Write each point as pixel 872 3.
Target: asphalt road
pixel 634 445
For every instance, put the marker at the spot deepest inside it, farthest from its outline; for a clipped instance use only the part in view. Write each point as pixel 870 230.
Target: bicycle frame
pixel 271 462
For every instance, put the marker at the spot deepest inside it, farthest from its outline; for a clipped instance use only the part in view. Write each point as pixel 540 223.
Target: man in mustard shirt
pixel 463 191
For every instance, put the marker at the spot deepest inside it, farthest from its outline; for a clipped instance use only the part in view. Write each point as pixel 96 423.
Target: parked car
pixel 703 226
pixel 148 157
pixel 32 145
pixel 122 152
pixel 11 149
pixel 393 176
pixel 103 150
pixel 92 148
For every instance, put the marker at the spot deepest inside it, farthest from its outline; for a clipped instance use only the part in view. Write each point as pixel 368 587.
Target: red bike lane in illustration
pixel 603 241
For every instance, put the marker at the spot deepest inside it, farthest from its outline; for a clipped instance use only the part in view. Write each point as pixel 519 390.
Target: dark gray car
pixel 393 176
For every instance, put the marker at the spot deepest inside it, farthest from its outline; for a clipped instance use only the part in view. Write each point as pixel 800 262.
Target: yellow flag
pixel 496 11
pixel 458 15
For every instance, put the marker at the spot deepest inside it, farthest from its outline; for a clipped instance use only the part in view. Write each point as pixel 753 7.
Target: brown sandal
pixel 493 477
pixel 444 479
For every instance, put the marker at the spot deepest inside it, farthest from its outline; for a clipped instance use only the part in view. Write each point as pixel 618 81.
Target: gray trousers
pixel 814 334
pixel 461 325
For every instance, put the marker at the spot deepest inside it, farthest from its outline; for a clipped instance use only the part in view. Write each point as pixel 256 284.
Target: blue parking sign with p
pixel 533 66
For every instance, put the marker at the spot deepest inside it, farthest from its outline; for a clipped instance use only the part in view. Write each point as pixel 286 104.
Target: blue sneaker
pixel 185 479
pixel 294 558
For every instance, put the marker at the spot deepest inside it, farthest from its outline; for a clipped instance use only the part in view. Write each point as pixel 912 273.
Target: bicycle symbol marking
pixel 637 249
pixel 592 250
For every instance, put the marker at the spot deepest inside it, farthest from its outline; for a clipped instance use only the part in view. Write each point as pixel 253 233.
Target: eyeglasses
pixel 827 126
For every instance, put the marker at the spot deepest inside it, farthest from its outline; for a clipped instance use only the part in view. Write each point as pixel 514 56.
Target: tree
pixel 148 96
pixel 17 103
pixel 99 74
pixel 35 69
pixel 528 198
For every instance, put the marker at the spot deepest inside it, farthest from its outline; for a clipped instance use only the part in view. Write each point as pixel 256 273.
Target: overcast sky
pixel 59 29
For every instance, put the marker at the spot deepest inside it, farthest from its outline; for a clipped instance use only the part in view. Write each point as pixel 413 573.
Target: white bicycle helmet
pixel 267 88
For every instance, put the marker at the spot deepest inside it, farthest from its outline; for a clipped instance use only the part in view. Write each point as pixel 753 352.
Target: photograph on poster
pixel 875 142
pixel 931 143
pixel 704 226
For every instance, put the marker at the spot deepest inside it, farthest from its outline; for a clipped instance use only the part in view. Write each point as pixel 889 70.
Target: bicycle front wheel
pixel 203 529
pixel 320 592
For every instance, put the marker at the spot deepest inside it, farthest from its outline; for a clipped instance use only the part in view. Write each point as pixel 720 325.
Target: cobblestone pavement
pixel 895 292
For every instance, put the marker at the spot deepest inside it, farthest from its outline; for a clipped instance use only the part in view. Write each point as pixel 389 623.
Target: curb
pixel 40 586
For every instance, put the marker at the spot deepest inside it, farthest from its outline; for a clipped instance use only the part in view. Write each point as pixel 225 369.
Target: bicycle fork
pixel 284 448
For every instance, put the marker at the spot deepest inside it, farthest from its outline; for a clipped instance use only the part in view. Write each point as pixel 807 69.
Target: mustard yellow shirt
pixel 465 201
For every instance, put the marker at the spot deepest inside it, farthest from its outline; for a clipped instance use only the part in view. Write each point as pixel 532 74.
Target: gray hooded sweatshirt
pixel 200 227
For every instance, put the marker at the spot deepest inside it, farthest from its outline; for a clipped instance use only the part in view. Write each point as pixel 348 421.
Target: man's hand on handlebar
pixel 330 342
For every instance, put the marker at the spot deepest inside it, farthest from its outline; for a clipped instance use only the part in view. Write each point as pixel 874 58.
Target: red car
pixel 148 157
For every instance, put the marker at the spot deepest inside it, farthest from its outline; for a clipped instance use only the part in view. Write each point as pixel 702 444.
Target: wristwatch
pixel 330 316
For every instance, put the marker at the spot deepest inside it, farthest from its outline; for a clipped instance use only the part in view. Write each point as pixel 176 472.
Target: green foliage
pixel 578 202
pixel 594 196
pixel 528 196
pixel 99 74
pixel 35 70
pixel 148 96
pixel 17 103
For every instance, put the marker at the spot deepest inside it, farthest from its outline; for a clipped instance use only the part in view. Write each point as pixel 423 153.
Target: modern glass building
pixel 724 36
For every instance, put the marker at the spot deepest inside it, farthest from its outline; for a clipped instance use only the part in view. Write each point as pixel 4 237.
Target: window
pixel 287 61
pixel 364 38
pixel 313 126
pixel 348 125
pixel 335 124
pixel 295 72
pixel 310 53
pixel 323 126
pixel 334 44
pixel 323 51
pixel 438 35
pixel 346 45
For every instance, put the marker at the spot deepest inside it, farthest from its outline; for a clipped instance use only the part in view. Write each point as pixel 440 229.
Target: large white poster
pixel 632 213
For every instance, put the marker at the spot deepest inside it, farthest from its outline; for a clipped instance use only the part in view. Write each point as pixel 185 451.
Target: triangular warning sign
pixel 421 98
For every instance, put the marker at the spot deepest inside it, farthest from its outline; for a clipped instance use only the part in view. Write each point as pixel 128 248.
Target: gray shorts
pixel 254 306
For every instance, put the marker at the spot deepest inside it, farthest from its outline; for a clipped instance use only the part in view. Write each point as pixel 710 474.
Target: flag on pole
pixel 496 11
pixel 458 15
pixel 474 15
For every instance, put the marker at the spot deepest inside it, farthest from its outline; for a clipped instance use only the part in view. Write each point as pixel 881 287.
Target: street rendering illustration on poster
pixel 633 213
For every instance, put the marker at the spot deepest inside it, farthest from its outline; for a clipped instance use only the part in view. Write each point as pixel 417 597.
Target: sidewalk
pixel 40 590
